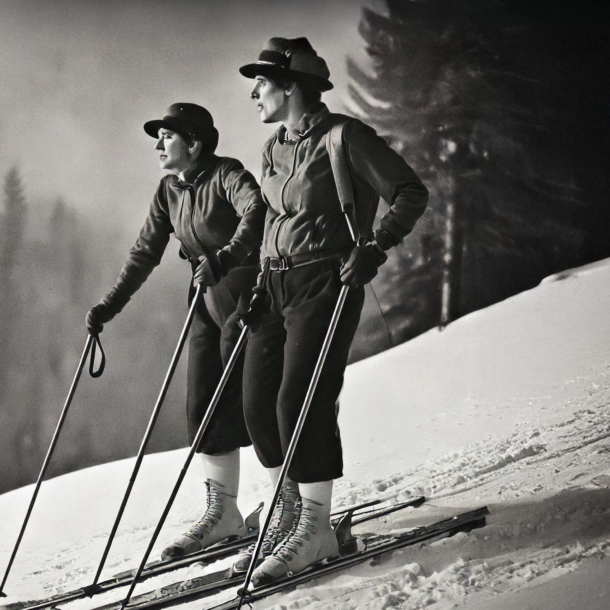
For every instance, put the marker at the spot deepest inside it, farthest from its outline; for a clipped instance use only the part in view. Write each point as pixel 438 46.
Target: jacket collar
pixel 316 114
pixel 197 174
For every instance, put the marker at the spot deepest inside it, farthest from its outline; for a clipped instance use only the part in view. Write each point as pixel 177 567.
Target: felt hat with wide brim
pixel 291 59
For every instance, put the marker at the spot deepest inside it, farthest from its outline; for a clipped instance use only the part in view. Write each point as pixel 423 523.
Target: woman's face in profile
pixel 270 99
pixel 174 153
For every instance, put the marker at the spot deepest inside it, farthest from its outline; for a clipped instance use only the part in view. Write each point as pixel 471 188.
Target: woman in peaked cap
pixel 306 239
pixel 214 208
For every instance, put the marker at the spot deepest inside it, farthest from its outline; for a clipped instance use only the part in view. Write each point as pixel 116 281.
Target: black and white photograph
pixel 304 305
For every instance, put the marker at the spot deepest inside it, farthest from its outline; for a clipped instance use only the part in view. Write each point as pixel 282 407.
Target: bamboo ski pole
pixel 202 428
pixel 92 588
pixel 89 346
pixel 295 437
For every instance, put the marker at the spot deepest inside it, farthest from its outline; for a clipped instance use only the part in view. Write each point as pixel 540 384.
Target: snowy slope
pixel 506 407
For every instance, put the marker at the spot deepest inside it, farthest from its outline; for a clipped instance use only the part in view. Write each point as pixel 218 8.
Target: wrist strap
pixel 102 366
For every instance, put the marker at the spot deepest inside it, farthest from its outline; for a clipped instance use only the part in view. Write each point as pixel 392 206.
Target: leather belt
pixel 284 263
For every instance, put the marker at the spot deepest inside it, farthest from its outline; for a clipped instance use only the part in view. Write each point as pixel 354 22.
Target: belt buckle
pixel 282 263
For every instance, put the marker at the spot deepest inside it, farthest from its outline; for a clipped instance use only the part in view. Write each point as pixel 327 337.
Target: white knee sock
pixel 321 495
pixel 224 469
pixel 274 475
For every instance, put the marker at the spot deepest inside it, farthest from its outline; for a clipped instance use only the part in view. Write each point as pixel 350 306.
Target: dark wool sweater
pixel 228 213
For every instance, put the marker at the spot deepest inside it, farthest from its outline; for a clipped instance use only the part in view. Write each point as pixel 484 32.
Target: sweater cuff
pixel 385 240
pixel 237 250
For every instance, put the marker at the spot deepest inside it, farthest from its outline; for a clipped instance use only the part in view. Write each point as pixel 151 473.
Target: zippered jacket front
pixel 227 212
pixel 304 214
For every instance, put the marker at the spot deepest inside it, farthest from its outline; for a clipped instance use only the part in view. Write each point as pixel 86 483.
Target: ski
pixel 219 551
pixel 373 548
pixel 212 584
pixel 209 555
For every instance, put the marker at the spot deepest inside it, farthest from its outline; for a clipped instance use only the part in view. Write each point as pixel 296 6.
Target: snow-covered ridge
pixel 506 407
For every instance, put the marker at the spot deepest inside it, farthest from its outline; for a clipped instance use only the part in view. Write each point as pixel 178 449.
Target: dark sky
pixel 78 79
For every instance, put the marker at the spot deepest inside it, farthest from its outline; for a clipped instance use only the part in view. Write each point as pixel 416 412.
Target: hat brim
pixel 173 124
pixel 310 81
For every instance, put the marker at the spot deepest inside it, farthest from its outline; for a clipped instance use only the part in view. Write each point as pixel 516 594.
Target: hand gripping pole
pixel 92 341
pixel 93 588
pixel 295 437
pixel 202 428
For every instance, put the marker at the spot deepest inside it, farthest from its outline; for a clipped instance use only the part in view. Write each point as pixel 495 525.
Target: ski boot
pixel 310 542
pixel 282 523
pixel 220 521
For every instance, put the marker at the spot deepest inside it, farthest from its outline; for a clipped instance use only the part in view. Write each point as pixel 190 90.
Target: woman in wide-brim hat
pixel 214 208
pixel 306 240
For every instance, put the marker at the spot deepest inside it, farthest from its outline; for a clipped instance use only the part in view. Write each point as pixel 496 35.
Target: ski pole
pixel 295 437
pixel 92 588
pixel 202 428
pixel 89 346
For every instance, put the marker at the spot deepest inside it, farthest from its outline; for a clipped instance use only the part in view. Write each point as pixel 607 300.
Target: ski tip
pixel 417 502
pixel 480 512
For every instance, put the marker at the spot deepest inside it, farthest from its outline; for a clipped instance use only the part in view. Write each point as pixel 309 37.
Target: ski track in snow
pixel 546 482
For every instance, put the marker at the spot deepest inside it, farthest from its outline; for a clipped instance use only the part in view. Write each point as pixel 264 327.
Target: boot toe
pixel 241 565
pixel 269 571
pixel 180 547
pixel 261 579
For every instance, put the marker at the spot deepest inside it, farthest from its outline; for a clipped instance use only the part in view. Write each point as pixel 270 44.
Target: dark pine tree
pixel 498 106
pixel 12 226
pixel 13 220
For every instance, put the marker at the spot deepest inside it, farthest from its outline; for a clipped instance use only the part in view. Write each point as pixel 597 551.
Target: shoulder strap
pixel 343 180
pixel 338 161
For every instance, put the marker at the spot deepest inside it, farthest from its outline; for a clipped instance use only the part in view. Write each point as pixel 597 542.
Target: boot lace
pixel 276 533
pixel 298 536
pixel 212 515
